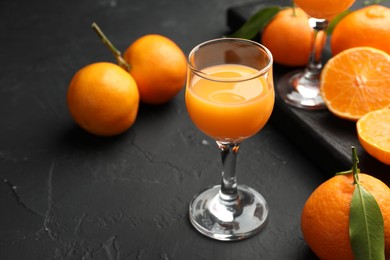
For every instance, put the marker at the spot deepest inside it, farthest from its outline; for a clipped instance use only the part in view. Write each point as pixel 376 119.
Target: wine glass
pixel 302 88
pixel 230 97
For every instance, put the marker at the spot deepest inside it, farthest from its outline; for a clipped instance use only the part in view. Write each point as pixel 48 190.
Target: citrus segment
pixel 374 134
pixel 369 26
pixel 356 81
pixel 325 216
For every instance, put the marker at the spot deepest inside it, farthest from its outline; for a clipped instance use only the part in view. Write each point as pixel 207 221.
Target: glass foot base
pixel 228 221
pixel 300 92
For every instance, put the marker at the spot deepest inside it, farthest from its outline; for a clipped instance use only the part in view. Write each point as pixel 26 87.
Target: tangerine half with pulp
pixel 356 81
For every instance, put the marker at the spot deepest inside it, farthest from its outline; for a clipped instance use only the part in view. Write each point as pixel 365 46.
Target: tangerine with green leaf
pixel 325 219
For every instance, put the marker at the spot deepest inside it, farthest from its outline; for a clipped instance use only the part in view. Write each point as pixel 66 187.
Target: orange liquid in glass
pixel 229 111
pixel 324 9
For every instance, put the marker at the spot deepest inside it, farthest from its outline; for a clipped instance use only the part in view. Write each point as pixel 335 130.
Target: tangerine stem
pixel 122 62
pixel 355 169
pixel 294 7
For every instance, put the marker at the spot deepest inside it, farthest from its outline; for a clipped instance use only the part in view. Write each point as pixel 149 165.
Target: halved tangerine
pixel 374 134
pixel 356 81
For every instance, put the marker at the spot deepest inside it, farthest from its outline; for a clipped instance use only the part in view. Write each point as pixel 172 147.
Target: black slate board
pixel 326 139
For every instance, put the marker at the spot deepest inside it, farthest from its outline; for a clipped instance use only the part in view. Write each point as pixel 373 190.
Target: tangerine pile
pixel 103 98
pixel 356 80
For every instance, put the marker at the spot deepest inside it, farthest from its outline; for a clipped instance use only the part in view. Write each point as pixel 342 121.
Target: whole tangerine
pixel 368 26
pixel 103 99
pixel 289 37
pixel 325 215
pixel 159 67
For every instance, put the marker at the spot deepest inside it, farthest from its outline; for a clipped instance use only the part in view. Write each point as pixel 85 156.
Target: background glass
pixel 302 88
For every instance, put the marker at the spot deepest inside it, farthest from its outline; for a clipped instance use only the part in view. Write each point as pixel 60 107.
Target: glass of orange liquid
pixel 229 97
pixel 301 88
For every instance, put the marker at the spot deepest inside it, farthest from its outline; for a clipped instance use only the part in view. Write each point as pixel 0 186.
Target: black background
pixel 66 194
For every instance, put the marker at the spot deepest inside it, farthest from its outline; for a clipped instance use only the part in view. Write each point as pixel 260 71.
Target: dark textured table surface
pixel 65 194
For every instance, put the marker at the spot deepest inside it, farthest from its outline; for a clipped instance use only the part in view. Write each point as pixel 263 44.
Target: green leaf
pixel 366 228
pixel 373 2
pixel 256 23
pixel 336 20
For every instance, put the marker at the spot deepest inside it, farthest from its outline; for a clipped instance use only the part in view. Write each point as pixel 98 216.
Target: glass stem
pixel 313 69
pixel 228 192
